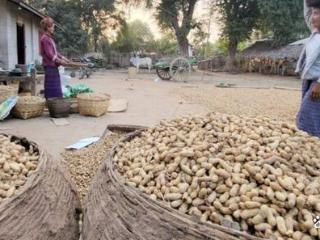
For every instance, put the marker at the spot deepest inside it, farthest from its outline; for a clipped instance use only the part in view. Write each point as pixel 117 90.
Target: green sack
pixel 73 91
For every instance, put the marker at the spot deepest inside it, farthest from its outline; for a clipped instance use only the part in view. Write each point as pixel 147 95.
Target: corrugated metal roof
pixel 28 8
pixel 32 10
pixel 266 49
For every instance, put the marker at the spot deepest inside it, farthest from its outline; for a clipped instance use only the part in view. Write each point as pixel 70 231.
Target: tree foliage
pixel 99 15
pixel 175 16
pixel 134 36
pixel 166 45
pixel 83 21
pixel 71 39
pixel 238 17
pixel 282 20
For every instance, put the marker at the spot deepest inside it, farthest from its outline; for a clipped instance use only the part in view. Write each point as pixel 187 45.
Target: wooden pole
pixel 33 82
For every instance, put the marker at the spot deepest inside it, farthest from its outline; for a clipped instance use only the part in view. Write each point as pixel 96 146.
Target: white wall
pixel 31 23
pixel 4 19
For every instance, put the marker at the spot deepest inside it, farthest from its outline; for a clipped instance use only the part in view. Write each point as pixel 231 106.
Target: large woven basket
pixel 125 213
pixel 46 207
pixel 93 104
pixel 29 107
pixel 7 91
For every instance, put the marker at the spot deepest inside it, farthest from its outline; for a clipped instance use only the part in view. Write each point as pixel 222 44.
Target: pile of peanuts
pixel 16 165
pixel 260 174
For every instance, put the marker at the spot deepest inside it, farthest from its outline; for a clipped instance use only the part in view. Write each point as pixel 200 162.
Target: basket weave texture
pixel 29 107
pixel 7 91
pixel 93 104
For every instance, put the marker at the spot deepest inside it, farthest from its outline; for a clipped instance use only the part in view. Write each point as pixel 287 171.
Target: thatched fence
pixel 262 58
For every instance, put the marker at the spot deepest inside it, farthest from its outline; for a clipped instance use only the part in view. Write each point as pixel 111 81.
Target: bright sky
pixel 147 16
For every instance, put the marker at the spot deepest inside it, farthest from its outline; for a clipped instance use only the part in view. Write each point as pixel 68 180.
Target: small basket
pixel 7 91
pixel 29 107
pixel 59 107
pixel 93 104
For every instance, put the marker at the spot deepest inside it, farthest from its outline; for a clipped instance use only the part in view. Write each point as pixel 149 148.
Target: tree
pixel 95 16
pixel 38 4
pixel 133 36
pixel 71 39
pixel 176 16
pixel 167 45
pixel 239 17
pixel 141 31
pixel 98 15
pixel 283 20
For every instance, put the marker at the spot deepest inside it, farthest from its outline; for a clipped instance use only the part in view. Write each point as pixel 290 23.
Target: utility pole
pixel 211 9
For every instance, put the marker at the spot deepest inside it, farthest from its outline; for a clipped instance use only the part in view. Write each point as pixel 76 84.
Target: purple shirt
pixel 49 52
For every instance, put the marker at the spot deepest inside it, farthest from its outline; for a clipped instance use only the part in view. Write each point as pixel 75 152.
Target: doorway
pixel 21 44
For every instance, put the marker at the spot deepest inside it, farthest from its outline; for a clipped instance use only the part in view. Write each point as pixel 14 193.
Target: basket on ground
pixel 7 91
pixel 74 106
pixel 29 107
pixel 59 107
pixel 93 104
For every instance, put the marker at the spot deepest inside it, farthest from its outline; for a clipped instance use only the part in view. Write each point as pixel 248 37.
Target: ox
pixel 137 62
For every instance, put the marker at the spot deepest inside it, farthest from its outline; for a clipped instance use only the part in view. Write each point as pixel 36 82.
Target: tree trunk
pixel 232 51
pixel 95 43
pixel 183 46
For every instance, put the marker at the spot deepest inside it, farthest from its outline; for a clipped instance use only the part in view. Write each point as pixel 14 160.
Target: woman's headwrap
pixel 46 23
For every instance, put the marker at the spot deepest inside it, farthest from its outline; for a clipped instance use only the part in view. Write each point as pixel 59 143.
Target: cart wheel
pixel 163 73
pixel 180 69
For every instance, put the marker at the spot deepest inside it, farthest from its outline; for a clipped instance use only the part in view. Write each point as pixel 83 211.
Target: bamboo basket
pixel 29 107
pixel 113 206
pixel 93 104
pixel 7 91
pixel 74 108
pixel 39 198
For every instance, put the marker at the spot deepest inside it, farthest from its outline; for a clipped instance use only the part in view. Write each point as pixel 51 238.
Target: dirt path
pixel 279 104
pixel 151 101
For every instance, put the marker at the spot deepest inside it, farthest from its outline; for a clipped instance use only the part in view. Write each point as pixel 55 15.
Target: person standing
pixel 51 60
pixel 308 118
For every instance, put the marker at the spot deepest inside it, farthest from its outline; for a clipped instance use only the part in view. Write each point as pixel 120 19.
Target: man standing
pixel 308 118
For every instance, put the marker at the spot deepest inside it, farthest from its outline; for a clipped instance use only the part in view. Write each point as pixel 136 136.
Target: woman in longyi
pixel 51 60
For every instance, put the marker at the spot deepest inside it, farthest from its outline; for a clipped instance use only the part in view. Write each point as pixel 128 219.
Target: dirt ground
pixel 151 100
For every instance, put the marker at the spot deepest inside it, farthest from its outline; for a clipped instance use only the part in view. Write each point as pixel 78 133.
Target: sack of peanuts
pixel 37 199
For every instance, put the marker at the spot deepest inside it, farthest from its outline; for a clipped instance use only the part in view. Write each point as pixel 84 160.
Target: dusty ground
pixel 151 101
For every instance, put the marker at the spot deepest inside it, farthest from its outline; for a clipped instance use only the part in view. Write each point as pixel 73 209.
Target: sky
pixel 147 16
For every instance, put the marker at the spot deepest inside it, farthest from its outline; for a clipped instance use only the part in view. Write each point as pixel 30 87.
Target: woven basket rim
pixel 28 105
pixel 6 87
pixel 105 97
pixel 118 179
pixel 43 101
pixel 93 108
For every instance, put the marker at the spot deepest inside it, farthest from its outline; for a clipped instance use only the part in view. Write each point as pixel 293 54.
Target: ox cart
pixel 177 69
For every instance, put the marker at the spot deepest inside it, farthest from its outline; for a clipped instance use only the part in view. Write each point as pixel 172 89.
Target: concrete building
pixel 19 33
